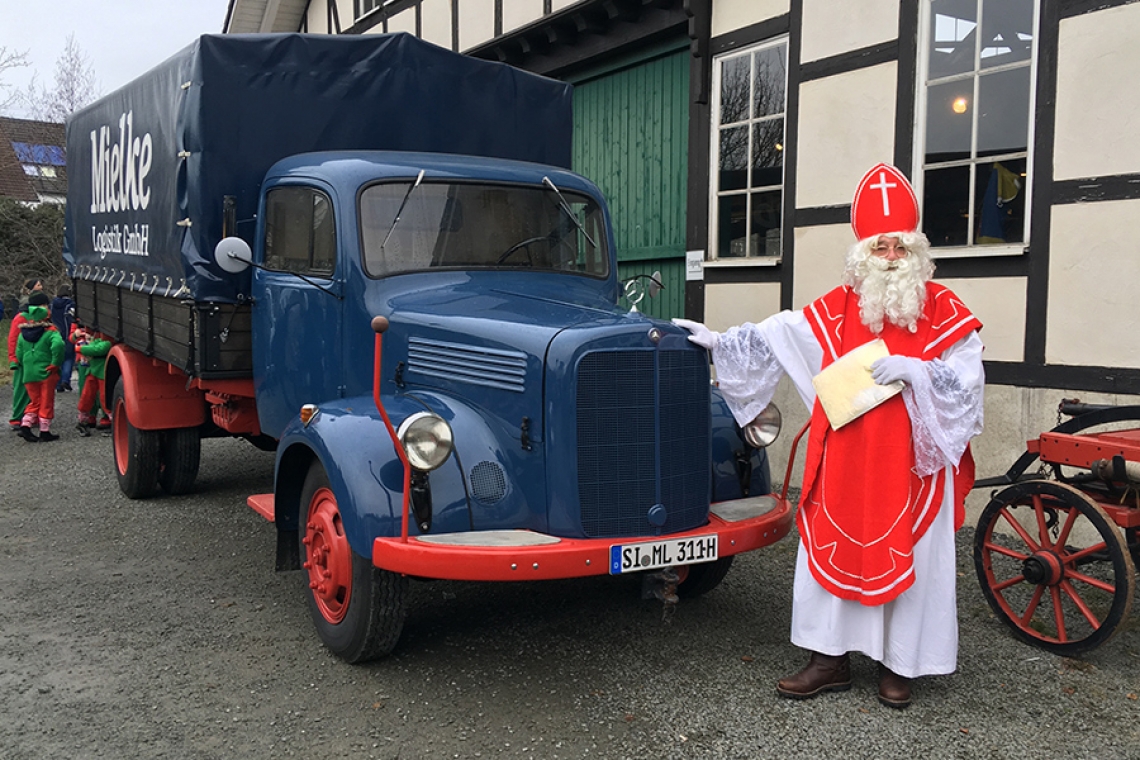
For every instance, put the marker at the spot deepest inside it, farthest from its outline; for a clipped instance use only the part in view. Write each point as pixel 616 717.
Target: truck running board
pixel 262 504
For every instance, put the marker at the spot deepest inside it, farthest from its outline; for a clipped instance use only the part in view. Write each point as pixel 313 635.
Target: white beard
pixel 891 291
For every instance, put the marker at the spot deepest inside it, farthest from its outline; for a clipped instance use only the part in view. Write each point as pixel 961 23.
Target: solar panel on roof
pixel 34 153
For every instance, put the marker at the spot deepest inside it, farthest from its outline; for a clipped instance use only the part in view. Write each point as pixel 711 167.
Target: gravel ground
pixel 158 629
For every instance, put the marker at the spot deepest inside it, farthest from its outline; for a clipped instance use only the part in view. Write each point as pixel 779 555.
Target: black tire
pixel 358 610
pixel 181 451
pixel 1058 572
pixel 704 577
pixel 136 452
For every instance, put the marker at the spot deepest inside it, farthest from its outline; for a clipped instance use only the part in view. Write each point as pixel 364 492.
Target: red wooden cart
pixel 1056 549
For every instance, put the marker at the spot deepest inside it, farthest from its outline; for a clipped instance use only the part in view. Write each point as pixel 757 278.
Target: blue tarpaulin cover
pixel 150 164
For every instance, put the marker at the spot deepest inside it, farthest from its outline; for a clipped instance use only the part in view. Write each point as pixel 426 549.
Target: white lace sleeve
pixel 945 405
pixel 747 371
pixel 751 359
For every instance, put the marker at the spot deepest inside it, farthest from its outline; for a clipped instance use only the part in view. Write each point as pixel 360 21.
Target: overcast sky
pixel 121 38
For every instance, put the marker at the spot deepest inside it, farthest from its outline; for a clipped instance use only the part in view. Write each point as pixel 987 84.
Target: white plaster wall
pixel 820 253
pixel 1098 95
pixel 518 13
pixel 345 13
pixel 1093 268
pixel 317 17
pixel 476 22
pixel 729 304
pixel 831 28
pixel 435 22
pixel 405 21
pixel 558 5
pixel 999 302
pixel 847 125
pixel 730 15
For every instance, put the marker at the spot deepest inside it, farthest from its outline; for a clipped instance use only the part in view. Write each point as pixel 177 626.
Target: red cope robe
pixel 864 506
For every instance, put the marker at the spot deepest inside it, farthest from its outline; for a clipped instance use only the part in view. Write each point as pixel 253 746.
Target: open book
pixel 845 389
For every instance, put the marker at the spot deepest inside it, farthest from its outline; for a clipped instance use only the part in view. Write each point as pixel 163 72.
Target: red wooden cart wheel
pixel 1053 566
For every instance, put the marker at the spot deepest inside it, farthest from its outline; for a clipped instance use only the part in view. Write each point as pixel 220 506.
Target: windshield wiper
pixel 419 179
pixel 567 210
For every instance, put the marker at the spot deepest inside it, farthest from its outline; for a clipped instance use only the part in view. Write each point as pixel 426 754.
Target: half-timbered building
pixel 729 135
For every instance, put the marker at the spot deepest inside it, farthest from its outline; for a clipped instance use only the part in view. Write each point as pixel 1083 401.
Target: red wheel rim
pixel 328 557
pixel 119 435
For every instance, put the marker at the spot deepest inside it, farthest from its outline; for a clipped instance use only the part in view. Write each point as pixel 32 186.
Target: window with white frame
pixel 977 66
pixel 749 101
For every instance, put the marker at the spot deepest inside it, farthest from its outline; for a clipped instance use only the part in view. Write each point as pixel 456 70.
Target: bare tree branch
pixel 75 86
pixel 10 59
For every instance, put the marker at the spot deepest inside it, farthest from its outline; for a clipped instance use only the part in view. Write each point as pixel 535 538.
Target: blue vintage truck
pixel 368 254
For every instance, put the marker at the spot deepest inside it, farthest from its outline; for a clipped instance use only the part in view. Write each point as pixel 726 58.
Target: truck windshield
pixel 475 226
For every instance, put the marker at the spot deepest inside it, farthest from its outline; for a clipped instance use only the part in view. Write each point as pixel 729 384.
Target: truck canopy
pixel 150 166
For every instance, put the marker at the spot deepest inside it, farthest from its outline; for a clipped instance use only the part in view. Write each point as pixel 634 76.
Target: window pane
pixel 289 217
pixel 765 238
pixel 947 130
pixel 479 226
pixel 324 235
pixel 771 75
pixel 946 205
pixel 768 153
pixel 733 158
pixel 734 86
pixel 999 203
pixel 731 226
pixel 1007 32
pixel 953 25
pixel 1003 112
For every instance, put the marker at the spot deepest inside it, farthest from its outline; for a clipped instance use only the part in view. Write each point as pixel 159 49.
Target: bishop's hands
pixel 700 335
pixel 895 369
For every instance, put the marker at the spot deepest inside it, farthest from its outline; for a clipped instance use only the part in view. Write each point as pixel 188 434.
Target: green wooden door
pixel 631 137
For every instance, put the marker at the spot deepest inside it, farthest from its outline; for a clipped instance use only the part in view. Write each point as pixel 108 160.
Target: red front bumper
pixel 528 556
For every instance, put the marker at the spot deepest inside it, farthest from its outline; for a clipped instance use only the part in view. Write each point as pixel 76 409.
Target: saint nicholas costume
pixel 883 494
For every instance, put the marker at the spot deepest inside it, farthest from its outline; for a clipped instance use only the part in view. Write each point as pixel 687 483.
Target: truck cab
pixel 547 430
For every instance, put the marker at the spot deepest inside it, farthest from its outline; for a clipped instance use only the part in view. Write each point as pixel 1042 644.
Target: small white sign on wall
pixel 694 265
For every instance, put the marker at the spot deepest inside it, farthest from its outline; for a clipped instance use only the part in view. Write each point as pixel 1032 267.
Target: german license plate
pixel 649 555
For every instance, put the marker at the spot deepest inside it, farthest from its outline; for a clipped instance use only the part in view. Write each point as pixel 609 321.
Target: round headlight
pixel 764 429
pixel 426 439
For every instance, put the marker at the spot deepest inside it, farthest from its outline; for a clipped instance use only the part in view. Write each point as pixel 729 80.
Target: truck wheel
pixel 703 578
pixel 181 450
pixel 136 451
pixel 358 609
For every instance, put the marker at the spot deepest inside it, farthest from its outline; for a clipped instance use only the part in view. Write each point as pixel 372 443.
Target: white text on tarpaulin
pixel 119 168
pixel 115 238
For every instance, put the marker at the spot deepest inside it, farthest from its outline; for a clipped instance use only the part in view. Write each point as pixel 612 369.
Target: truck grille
pixel 643 439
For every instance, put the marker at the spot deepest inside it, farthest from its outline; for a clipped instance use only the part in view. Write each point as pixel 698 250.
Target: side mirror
pixel 233 255
pixel 655 284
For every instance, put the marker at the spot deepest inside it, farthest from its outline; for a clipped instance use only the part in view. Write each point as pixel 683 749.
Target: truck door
pixel 297 351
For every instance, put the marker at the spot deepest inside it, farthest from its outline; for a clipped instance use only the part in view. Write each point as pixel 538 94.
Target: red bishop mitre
pixel 884 202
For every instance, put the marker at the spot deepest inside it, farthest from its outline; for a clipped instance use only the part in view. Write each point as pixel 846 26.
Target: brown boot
pixel 894 690
pixel 823 673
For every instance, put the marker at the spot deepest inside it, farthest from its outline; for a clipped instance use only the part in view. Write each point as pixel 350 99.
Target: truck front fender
pixel 155 392
pixel 348 439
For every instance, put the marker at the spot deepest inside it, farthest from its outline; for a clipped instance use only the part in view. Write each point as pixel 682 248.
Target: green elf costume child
pixel 39 352
pixel 94 350
pixel 19 394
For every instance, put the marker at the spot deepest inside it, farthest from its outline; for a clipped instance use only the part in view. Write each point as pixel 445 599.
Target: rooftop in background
pixel 33 161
